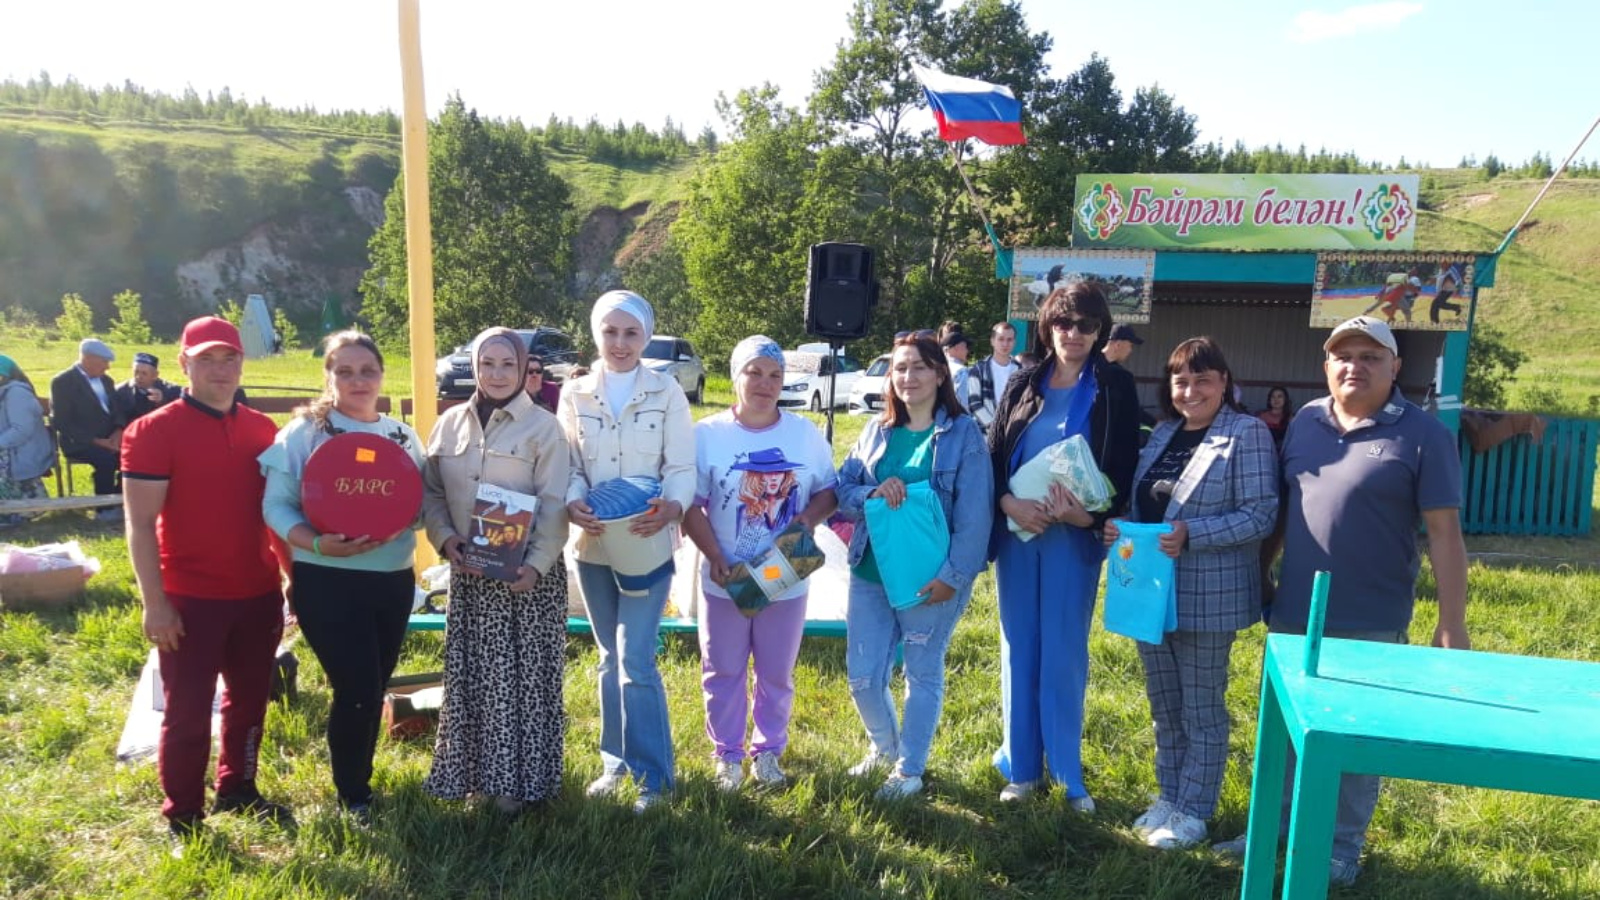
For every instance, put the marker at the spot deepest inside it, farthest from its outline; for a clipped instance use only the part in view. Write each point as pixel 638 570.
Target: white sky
pixel 1432 81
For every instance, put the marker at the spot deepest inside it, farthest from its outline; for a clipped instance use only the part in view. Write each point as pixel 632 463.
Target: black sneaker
pixel 360 812
pixel 251 803
pixel 183 830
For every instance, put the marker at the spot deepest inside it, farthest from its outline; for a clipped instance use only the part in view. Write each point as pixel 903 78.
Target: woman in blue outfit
pixel 1047 585
pixel 1211 471
pixel 923 435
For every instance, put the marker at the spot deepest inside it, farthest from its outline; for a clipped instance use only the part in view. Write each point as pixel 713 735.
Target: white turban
pixel 627 301
pixel 754 347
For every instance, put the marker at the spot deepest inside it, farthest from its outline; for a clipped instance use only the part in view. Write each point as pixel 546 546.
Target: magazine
pixel 502 523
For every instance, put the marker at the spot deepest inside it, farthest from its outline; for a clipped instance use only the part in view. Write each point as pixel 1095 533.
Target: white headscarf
pixel 754 347
pixel 630 303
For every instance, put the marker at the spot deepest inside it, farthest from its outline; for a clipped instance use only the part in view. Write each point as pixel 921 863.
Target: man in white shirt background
pixel 989 375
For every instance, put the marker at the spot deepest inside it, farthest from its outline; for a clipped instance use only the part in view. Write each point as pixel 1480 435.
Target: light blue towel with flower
pixel 1141 589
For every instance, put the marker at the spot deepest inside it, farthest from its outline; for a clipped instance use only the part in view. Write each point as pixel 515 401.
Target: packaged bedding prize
pixel 1141 593
pixel 1069 463
pixel 794 554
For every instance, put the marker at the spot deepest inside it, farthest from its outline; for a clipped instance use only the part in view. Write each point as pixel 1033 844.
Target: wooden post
pixel 419 231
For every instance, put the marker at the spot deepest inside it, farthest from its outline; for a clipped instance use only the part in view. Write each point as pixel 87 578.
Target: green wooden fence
pixel 1521 487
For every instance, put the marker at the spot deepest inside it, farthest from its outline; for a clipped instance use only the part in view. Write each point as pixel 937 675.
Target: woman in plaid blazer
pixel 1211 471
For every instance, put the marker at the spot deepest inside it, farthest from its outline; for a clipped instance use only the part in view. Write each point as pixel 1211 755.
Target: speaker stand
pixel 834 347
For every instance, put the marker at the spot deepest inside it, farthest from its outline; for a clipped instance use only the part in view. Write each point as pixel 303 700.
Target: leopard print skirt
pixel 502 726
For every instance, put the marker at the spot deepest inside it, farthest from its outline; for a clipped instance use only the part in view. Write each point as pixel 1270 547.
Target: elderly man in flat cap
pixel 146 392
pixel 89 417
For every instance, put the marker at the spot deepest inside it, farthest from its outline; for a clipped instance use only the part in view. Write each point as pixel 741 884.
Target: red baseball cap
pixel 206 332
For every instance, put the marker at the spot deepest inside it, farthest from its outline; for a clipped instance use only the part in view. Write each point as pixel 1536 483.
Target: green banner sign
pixel 1246 212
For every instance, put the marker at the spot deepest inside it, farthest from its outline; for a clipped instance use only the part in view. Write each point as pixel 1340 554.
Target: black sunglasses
pixel 539 372
pixel 1088 327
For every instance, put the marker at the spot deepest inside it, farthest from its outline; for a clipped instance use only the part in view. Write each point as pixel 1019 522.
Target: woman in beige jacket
pixel 626 420
pixel 502 726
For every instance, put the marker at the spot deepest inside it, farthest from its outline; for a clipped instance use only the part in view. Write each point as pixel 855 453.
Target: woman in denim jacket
pixel 627 420
pixel 924 434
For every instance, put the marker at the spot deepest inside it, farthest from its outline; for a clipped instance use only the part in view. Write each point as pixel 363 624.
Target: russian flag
pixel 969 108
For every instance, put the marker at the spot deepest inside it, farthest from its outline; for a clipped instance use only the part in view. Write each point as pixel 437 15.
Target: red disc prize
pixel 361 484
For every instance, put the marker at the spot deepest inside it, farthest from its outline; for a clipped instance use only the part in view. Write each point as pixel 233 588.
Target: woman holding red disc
pixel 352 593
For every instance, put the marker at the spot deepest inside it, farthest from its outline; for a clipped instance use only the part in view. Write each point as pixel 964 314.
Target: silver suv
pixel 674 356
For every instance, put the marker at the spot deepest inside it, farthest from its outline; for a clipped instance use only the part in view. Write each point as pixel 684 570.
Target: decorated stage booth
pixel 1267 265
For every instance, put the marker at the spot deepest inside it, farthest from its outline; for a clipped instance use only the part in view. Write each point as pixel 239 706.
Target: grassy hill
pixel 1547 291
pixel 94 207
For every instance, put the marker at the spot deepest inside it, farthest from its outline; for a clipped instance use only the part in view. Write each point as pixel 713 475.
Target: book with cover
pixel 502 523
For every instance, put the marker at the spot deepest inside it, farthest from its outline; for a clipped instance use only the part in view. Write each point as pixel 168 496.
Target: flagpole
pixel 983 214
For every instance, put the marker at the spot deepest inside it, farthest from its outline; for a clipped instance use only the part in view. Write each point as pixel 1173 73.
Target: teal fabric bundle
pixel 1141 589
pixel 910 544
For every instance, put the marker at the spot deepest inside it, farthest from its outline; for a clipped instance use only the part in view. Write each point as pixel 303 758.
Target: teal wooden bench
pixel 1482 719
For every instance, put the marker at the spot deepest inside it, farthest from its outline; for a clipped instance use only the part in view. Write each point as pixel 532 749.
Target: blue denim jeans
pixel 634 729
pixel 875 630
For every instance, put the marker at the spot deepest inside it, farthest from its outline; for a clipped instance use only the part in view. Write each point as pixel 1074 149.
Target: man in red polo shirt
pixel 210 584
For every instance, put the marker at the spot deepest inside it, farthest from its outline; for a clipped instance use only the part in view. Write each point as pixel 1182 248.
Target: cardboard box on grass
pixel 411 704
pixel 41 590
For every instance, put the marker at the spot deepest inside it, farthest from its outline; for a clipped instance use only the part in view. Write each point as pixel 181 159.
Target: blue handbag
pixel 1141 589
pixel 909 543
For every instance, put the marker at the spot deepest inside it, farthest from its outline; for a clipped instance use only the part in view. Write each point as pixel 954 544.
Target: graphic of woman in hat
pixel 749 492
pixel 767 493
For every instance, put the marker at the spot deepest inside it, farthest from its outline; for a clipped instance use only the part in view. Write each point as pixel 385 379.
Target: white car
pixel 674 356
pixel 806 382
pixel 867 394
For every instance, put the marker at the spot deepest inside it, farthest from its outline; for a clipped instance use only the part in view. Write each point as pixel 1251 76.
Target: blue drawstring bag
pixel 1141 589
pixel 909 543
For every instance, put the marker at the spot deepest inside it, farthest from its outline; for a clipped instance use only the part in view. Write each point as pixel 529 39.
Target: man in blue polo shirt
pixel 1362 468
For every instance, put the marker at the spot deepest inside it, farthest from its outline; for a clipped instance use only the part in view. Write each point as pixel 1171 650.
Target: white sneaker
pixel 1153 818
pixel 872 762
pixel 900 786
pixel 1017 790
pixel 1179 831
pixel 1234 848
pixel 729 774
pixel 1083 806
pixel 765 772
pixel 1343 872
pixel 607 784
pixel 648 800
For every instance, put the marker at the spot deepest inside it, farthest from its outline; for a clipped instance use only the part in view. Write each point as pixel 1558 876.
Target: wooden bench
pixel 60 504
pixel 271 404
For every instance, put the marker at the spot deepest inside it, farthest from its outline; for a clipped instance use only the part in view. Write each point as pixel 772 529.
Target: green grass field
pixel 75 824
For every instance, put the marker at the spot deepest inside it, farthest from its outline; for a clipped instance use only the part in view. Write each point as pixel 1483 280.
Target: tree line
pixel 617 143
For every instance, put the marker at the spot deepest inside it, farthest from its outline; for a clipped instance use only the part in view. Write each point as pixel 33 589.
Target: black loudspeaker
pixel 839 291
